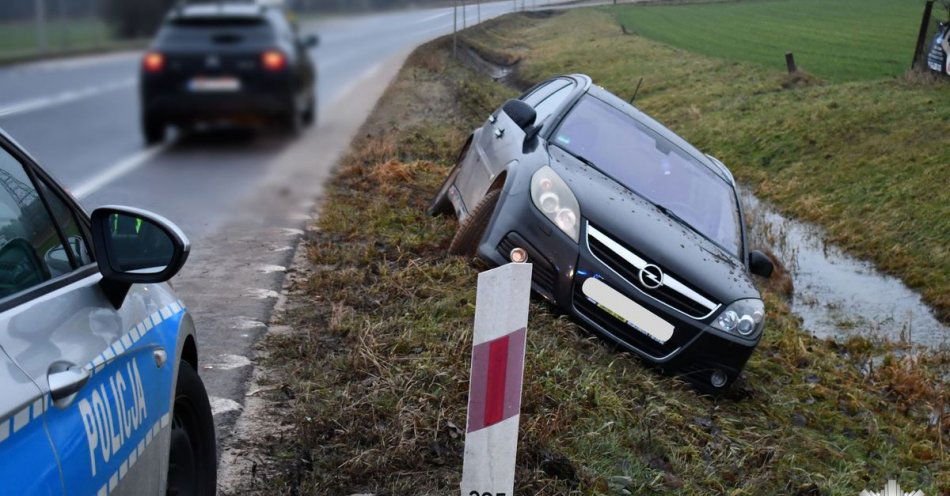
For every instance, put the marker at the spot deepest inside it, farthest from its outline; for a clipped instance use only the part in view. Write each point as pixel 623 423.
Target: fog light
pixel 518 255
pixel 718 378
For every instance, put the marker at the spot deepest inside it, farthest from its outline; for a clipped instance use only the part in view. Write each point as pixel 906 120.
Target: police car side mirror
pixel 134 246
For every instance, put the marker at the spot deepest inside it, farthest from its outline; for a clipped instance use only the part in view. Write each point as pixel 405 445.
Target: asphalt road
pixel 243 198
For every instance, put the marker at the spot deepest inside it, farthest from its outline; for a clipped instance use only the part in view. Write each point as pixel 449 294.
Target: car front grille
pixel 628 264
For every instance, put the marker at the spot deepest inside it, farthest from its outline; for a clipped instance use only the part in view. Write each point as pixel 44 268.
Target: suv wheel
pixel 292 120
pixel 192 459
pixel 472 229
pixel 153 129
pixel 310 115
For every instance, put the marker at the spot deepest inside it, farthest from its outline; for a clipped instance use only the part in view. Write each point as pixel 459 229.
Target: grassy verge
pixel 64 38
pixel 841 40
pixel 378 364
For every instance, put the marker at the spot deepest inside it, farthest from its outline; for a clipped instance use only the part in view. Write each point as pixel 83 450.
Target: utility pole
pixel 464 15
pixel 64 25
pixel 478 9
pixel 455 28
pixel 40 8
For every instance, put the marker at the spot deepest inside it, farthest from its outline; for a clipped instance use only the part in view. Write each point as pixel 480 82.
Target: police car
pixel 98 361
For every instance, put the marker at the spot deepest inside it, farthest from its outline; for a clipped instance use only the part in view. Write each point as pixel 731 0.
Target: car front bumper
pixel 560 267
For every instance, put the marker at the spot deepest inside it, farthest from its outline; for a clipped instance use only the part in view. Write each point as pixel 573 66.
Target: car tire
pixel 471 230
pixel 292 120
pixel 153 130
pixel 192 458
pixel 441 204
pixel 310 115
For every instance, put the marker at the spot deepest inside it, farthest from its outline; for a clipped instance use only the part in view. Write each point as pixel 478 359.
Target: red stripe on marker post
pixel 496 380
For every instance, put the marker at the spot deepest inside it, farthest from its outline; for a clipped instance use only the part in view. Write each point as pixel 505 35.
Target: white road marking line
pixel 64 97
pixel 223 405
pixel 262 294
pixel 228 362
pixel 118 170
pixel 245 323
pixel 269 269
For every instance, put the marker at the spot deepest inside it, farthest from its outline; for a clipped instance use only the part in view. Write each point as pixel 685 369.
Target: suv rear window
pixel 217 21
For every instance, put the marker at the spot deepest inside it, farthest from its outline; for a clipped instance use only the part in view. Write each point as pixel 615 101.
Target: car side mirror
pixel 760 264
pixel 311 41
pixel 134 246
pixel 520 112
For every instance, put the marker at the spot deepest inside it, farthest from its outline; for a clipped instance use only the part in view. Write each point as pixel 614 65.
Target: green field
pixel 18 39
pixel 837 40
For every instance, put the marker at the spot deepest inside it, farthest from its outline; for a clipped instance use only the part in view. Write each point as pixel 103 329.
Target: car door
pixel 27 460
pixel 501 140
pixel 110 435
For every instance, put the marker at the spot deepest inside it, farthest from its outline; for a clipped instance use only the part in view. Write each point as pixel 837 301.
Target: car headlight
pixel 556 201
pixel 744 318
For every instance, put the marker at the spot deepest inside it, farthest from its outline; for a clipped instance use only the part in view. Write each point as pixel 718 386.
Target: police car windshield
pixel 647 163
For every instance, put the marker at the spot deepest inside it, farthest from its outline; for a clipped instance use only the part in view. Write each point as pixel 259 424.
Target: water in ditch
pixel 837 295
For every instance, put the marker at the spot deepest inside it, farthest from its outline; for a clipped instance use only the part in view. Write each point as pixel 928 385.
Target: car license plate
pixel 214 84
pixel 627 310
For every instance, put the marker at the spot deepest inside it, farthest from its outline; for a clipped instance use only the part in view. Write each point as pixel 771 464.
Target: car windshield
pixel 649 164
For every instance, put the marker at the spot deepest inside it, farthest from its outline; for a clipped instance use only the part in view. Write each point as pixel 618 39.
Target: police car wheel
pixel 192 463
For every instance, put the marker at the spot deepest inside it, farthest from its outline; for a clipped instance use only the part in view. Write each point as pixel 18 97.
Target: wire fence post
pixel 39 6
pixel 922 35
pixel 464 15
pixel 455 28
pixel 478 10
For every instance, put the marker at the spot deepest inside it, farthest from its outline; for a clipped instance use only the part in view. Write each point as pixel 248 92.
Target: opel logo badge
pixel 651 276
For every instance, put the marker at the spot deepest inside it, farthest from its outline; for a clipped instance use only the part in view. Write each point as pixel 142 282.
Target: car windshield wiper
pixel 580 158
pixel 673 215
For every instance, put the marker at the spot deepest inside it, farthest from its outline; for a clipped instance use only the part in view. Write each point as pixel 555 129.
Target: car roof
pixel 614 101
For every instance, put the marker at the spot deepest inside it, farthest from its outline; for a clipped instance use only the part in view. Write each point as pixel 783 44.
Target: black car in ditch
pixel 633 231
pixel 234 62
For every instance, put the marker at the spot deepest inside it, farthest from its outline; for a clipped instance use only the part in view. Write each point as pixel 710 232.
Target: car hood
pixel 633 221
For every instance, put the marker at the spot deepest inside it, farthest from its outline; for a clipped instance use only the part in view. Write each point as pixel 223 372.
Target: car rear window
pixel 217 30
pixel 217 21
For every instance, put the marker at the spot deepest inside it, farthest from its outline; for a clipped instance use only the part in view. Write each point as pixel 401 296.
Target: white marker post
pixel 494 397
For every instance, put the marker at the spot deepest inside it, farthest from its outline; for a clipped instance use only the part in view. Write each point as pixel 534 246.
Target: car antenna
pixel 634 97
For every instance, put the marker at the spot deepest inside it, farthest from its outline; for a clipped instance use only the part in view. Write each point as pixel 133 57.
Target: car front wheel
pixel 192 459
pixel 472 229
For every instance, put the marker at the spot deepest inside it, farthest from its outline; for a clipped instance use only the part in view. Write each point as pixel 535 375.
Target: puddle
pixel 837 295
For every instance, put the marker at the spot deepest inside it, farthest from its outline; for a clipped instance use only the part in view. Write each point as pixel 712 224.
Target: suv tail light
pixel 273 60
pixel 153 62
